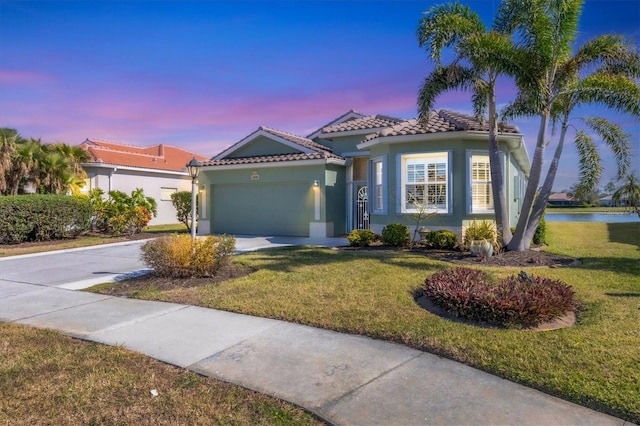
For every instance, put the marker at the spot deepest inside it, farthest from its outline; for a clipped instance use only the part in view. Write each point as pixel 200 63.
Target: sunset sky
pixel 203 74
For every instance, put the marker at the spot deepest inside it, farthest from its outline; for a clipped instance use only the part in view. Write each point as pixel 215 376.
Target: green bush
pixel 442 239
pixel 175 256
pixel 36 217
pixel 361 237
pixel 122 213
pixel 395 235
pixel 518 300
pixel 540 236
pixel 181 200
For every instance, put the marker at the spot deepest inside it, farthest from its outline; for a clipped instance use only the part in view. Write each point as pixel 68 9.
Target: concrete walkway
pixel 345 379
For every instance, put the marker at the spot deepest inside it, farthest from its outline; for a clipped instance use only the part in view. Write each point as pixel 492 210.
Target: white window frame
pixel 378 185
pixel 439 164
pixel 471 207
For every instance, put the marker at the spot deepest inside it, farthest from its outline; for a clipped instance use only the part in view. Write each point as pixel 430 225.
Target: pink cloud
pixel 23 77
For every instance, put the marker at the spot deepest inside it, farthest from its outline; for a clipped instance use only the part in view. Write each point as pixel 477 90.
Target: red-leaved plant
pixel 515 301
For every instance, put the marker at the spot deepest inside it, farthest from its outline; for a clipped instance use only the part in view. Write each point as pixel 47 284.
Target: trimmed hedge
pixel 395 235
pixel 441 239
pixel 38 217
pixel 361 237
pixel 518 300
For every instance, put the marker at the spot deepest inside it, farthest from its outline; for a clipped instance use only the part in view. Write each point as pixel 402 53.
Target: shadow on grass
pixel 625 233
pixel 287 259
pixel 622 265
pixel 623 294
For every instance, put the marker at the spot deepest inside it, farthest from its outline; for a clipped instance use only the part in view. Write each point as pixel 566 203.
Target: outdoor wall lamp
pixel 316 183
pixel 193 167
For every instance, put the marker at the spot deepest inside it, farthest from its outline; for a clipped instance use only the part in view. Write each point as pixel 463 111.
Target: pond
pixel 592 217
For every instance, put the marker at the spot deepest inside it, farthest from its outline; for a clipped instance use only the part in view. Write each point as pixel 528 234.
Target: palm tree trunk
pixel 518 242
pixel 497 178
pixel 545 191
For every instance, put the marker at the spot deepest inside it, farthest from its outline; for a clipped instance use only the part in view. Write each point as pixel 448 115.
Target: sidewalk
pixel 345 379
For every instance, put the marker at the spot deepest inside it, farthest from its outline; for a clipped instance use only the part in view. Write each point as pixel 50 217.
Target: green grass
pixel 595 363
pixel 48 378
pixel 177 228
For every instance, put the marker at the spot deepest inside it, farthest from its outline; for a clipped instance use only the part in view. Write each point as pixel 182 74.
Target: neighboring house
pixel 159 170
pixel 359 172
pixel 562 199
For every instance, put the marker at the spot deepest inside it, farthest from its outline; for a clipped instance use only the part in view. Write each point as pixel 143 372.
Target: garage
pixel 257 208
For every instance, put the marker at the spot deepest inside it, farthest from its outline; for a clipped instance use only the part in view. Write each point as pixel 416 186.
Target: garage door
pixel 262 209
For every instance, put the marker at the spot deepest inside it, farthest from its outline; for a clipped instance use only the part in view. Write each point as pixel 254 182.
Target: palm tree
pixel 480 57
pixel 630 191
pixel 24 164
pixel 9 138
pixel 554 83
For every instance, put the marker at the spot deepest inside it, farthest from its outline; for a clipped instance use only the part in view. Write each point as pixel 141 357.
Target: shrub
pixel 483 230
pixel 175 257
pixel 518 300
pixel 540 236
pixel 181 200
pixel 395 235
pixel 361 237
pixel 122 213
pixel 442 239
pixel 36 217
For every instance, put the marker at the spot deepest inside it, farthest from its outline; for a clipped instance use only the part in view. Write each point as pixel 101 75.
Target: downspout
pixel 111 173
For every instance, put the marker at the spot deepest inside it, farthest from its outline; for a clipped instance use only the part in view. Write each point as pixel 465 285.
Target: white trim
pixel 400 177
pixel 372 185
pixel 130 168
pixel 261 132
pixel 355 154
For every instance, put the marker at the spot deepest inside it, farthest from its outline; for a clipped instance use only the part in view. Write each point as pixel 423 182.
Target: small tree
pixel 182 202
pixel 122 213
pixel 422 213
pixel 630 191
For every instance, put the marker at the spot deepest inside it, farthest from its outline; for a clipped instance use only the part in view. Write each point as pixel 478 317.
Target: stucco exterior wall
pixel 128 180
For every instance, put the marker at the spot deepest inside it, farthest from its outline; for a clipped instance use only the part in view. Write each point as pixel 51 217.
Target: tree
pixel 481 56
pixel 630 191
pixel 182 202
pixel 9 138
pixel 555 82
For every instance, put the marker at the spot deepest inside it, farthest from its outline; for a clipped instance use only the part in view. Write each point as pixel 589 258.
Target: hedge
pixel 35 217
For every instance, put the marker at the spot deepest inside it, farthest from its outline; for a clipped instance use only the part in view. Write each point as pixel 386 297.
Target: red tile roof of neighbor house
pixel 161 157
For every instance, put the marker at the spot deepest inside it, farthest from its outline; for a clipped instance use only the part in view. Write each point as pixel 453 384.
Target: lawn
pixel 48 378
pixel 86 241
pixel 595 363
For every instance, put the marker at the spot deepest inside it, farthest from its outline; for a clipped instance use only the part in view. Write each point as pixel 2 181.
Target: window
pixel 481 192
pixel 165 193
pixel 425 182
pixel 377 185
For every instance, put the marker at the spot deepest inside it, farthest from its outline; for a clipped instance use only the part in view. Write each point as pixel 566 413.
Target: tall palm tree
pixel 556 81
pixel 481 56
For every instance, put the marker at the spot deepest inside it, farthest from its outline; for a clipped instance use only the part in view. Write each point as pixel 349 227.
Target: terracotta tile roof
pixel 439 121
pixel 270 159
pixel 364 123
pixel 161 157
pixel 318 151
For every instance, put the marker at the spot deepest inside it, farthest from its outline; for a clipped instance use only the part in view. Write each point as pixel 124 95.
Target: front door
pixel 361 207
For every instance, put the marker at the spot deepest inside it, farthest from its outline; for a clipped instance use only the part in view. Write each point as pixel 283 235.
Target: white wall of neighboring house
pixel 157 184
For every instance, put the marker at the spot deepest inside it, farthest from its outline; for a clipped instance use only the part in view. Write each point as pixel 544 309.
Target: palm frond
pixel 441 80
pixel 616 139
pixel 590 167
pixel 617 92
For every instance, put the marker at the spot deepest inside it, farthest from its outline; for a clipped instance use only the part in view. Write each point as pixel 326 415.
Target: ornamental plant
pixel 516 301
pixel 180 256
pixel 361 237
pixel 395 235
pixel 441 239
pixel 121 213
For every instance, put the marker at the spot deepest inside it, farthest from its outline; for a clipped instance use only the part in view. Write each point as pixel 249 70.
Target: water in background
pixel 592 217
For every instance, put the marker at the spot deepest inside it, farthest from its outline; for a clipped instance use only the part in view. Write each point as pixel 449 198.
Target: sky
pixel 202 75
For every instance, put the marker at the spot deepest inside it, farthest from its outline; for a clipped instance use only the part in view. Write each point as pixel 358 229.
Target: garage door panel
pixel 262 209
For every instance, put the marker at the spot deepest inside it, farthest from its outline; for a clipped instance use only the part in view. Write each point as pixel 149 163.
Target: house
pixel 359 171
pixel 562 199
pixel 159 170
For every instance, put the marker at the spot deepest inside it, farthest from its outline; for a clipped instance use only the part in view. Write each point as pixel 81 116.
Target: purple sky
pixel 203 74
